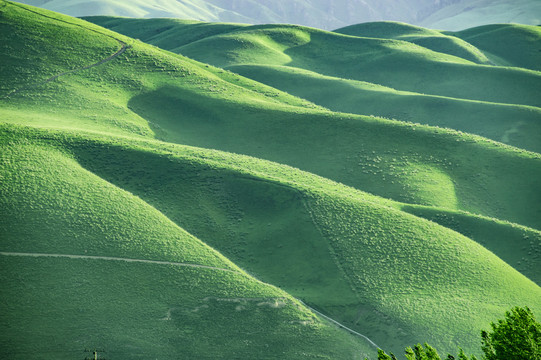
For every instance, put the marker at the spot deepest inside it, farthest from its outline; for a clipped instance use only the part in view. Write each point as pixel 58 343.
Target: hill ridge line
pixel 112 258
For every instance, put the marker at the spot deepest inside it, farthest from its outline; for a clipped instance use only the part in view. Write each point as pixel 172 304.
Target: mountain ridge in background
pixel 329 15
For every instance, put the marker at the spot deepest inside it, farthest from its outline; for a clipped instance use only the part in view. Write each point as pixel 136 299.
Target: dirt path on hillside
pixel 123 48
pixel 52 78
pixel 340 325
pixel 110 258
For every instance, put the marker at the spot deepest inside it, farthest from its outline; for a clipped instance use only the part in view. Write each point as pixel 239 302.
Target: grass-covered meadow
pixel 242 197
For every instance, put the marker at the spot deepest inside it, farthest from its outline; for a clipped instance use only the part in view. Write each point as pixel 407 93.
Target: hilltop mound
pixel 509 45
pixel 430 39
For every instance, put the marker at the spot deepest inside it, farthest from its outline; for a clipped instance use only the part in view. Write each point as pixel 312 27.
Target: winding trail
pixel 111 258
pixel 340 325
pixel 120 51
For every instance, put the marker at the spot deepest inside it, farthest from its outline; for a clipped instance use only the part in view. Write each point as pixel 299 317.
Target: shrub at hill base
pixel 516 337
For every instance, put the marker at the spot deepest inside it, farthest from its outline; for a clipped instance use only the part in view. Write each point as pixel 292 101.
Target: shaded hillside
pixel 116 234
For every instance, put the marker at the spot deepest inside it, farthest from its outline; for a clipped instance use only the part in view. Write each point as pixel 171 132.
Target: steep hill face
pixel 441 14
pixel 126 227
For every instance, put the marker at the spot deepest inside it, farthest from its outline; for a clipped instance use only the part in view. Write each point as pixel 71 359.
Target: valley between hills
pixel 177 189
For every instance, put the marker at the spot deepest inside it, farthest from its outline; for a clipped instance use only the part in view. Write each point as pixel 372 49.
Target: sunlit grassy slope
pixel 89 167
pixel 348 73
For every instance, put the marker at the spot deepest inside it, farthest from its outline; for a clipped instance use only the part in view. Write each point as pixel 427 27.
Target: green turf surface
pixel 95 164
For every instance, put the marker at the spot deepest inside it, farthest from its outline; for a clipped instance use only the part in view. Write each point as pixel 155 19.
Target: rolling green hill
pixel 280 57
pixel 430 39
pixel 177 298
pixel 121 231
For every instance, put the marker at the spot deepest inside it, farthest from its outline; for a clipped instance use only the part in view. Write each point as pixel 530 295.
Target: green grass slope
pixel 515 125
pixel 85 167
pixel 522 44
pixel 383 272
pixel 518 246
pixel 256 56
pixel 173 299
pixel 166 33
pixel 154 93
pixel 424 165
pixel 394 63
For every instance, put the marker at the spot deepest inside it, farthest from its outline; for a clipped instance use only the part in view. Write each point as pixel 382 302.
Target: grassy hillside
pixel 333 247
pixel 516 125
pixel 92 168
pixel 266 56
pixel 394 63
pixel 53 205
pixel 146 99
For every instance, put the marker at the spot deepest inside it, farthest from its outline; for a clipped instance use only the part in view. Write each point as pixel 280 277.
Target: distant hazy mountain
pixel 324 14
pixel 470 13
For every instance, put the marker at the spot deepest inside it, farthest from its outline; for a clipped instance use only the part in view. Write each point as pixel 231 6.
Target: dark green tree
pixel 383 356
pixel 410 355
pixel 420 353
pixel 431 353
pixel 462 355
pixel 516 337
